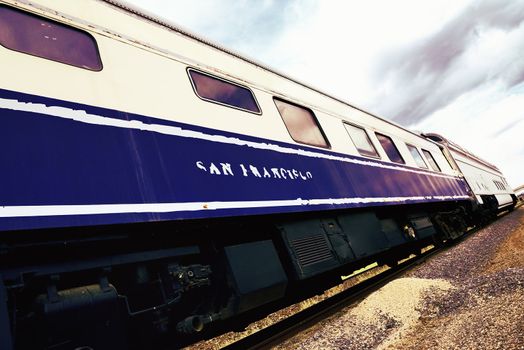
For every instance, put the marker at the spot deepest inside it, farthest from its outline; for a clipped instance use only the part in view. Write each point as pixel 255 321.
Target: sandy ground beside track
pixel 230 337
pixel 469 297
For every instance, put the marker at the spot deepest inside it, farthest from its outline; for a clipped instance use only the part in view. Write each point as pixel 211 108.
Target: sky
pixel 452 67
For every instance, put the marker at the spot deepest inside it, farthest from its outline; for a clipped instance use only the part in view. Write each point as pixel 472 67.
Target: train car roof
pixel 457 148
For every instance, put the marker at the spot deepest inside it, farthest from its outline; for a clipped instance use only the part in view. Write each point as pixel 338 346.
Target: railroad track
pixel 294 324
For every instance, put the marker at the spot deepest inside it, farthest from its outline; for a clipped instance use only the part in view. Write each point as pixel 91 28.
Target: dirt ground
pixel 468 297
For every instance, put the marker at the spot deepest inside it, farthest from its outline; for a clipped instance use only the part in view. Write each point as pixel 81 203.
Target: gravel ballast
pixel 469 297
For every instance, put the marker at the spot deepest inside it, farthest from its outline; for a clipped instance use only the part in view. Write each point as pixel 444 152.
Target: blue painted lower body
pixel 57 162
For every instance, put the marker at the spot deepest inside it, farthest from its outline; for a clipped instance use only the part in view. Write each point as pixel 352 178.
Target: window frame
pixel 315 119
pixel 449 158
pixel 68 26
pixel 212 76
pixel 377 134
pixel 377 155
pixel 425 152
pixel 410 147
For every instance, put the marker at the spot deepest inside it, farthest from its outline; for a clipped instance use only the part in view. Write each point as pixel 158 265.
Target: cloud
pixel 507 127
pixel 481 44
pixel 242 25
pixel 489 122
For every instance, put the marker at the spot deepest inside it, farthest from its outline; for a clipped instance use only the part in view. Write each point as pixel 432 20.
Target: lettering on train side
pixel 250 170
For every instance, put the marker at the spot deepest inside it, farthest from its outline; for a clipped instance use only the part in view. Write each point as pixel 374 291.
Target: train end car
pixel 492 192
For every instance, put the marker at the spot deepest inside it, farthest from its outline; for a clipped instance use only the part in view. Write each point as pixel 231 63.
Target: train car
pixel 491 189
pixel 155 185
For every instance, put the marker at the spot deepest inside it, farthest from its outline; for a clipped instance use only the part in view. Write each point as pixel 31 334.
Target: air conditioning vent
pixel 311 250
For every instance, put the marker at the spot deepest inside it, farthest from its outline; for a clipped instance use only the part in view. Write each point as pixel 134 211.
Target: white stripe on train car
pixel 94 209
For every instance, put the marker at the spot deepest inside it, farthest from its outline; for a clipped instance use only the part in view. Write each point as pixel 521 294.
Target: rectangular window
pixel 390 148
pixel 361 141
pixel 446 155
pixel 227 93
pixel 431 160
pixel 416 155
pixel 38 36
pixel 301 124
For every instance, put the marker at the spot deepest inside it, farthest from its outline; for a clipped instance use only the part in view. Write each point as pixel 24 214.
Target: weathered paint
pixel 68 164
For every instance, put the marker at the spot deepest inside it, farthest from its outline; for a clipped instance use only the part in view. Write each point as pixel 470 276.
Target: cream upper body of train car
pixel 152 183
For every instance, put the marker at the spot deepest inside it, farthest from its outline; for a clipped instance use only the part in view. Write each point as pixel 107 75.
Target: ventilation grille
pixel 311 250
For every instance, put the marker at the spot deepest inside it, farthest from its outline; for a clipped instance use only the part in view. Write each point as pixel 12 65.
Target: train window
pixel 446 155
pixel 361 141
pixel 416 155
pixel 390 148
pixel 301 124
pixel 227 93
pixel 431 160
pixel 38 36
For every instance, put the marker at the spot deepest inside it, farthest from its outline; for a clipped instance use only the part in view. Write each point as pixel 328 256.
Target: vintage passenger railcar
pixel 153 183
pixel 485 180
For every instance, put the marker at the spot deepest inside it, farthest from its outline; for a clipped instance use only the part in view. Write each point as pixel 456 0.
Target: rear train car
pixel 155 185
pixel 492 192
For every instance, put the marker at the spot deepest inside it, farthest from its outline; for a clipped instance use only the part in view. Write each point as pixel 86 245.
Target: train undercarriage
pixel 138 286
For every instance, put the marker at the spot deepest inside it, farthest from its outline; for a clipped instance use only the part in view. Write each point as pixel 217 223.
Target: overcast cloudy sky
pixel 454 67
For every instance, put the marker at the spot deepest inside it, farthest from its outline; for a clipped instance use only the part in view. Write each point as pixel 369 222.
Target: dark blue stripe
pixel 48 160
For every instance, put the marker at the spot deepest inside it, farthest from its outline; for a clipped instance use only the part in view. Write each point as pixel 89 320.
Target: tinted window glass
pixel 390 148
pixel 41 37
pixel 301 124
pixel 224 92
pixel 361 140
pixel 416 155
pixel 431 160
pixel 448 158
